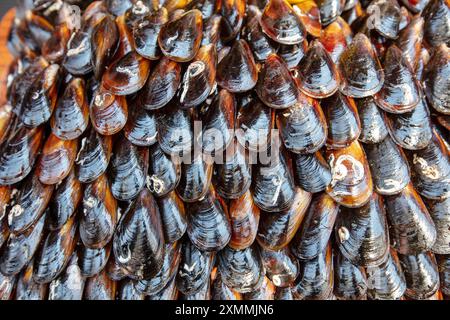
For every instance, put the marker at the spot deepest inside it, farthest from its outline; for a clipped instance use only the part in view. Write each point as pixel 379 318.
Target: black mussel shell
pixel 317 74
pixel 281 267
pixel 351 183
pixel 302 127
pixel 414 5
pixel 281 23
pixel 360 70
pixel 99 214
pixel 19 249
pixel 169 292
pixel 373 127
pixel 421 275
pixel 55 252
pixel 333 39
pixel 27 289
pixel 203 294
pixel 292 54
pixel 105 37
pixel 163 174
pixel 211 31
pixel 237 71
pixel 410 41
pixel 92 261
pixel 241 270
pixel 139 239
pixel 172 256
pixel 55 48
pixel 93 157
pixel 436 79
pixel 100 287
pixel 314 234
pixel 309 13
pixel 362 233
pixel 78 59
pixel 28 205
pixel 386 281
pixel 343 121
pixel 118 7
pixel 162 84
pixel 71 116
pixel 180 38
pixel 430 169
pixel 388 165
pixel 330 10
pixel 194 268
pixel 385 17
pixel 400 92
pixel 283 294
pixel 264 291
pixel 220 291
pixel 233 12
pixel 444 273
pixel 315 281
pixel 437 24
pixel 146 31
pixel 128 169
pixel 439 212
pixel 244 219
pixel 311 171
pixel 411 130
pixel 276 86
pixel 276 230
pixel 173 216
pixel 7 286
pixel 350 281
pixel 127 291
pixel 195 179
pixel 411 228
pixel 140 128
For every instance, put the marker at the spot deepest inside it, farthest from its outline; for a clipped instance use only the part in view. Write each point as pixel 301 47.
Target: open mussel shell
pixel 244 219
pixel 343 121
pixel 108 112
pixel 163 174
pixel 280 22
pixel 173 216
pixel 55 252
pixel 194 268
pixel 302 127
pixel 444 273
pixel 385 17
pixel 437 25
pixel 237 71
pixel 241 270
pixel 180 38
pixel 162 84
pixel 232 177
pixel 128 169
pixel 140 128
pixel 315 281
pixel 410 41
pixel 105 37
pixel 350 281
pixel 175 130
pixel 311 171
pixel 317 226
pixel 264 291
pixel 71 116
pixel 99 214
pixel 411 228
pixel 28 205
pixel 93 157
pixel 92 261
pixel 360 70
pixel 373 126
pixel 273 186
pixel 276 86
pixel 254 124
pixel 195 179
pixel 172 256
pixel 126 75
pixel 64 202
pixel 56 160
pixel 317 74
pixel 351 184
pixel 309 14
pixel 388 165
pixel 233 13
pixel 439 212
pixel 199 78
pixel 430 169
pixel 139 239
pixel 411 130
pixel 27 289
pixel 19 249
pixel 421 275
pixel 100 287
pixel 209 226
pixel 146 31
pixel 400 92
pixel 220 291
pixel 436 79
pixel 276 230
pixel 281 266
pixel 386 281
pixel 362 235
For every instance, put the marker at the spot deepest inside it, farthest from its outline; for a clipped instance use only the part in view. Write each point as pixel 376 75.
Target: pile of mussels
pixel 101 196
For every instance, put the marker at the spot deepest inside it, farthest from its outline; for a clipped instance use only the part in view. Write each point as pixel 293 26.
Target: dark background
pixel 5 5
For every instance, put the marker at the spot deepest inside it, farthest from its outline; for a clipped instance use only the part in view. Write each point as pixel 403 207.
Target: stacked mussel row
pixel 355 203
